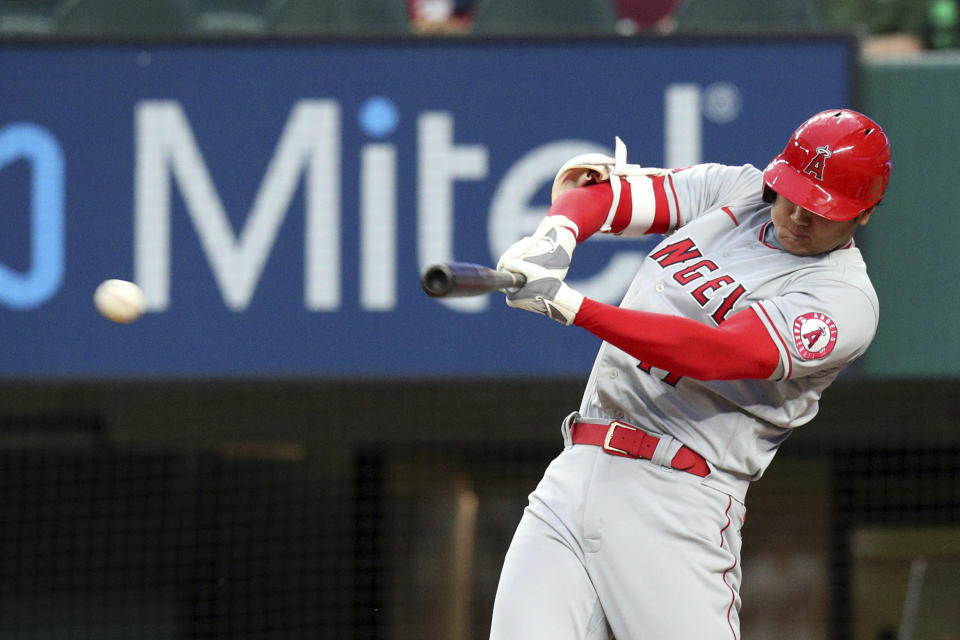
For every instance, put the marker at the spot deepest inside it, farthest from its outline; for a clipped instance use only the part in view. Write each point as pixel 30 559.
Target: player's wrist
pixel 548 251
pixel 561 222
pixel 585 312
pixel 568 301
pixel 555 233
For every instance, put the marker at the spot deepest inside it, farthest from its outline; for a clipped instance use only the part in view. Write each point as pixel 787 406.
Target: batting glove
pixel 550 247
pixel 543 293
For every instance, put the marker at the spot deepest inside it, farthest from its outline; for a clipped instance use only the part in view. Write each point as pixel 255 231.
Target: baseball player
pixel 750 306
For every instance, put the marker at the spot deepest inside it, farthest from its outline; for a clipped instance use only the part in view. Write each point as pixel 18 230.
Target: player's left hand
pixel 551 246
pixel 543 293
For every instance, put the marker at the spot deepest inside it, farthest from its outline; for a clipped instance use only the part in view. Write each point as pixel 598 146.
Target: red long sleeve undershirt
pixel 740 348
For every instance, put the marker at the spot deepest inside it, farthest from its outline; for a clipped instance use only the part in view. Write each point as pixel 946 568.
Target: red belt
pixel 625 440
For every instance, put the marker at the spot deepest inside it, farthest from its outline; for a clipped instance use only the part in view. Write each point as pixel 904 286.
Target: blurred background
pixel 296 442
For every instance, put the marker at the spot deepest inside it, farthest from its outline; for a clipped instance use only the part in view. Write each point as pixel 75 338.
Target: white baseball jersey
pixel 722 257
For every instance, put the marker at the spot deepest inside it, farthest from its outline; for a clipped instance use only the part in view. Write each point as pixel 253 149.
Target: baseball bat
pixel 452 279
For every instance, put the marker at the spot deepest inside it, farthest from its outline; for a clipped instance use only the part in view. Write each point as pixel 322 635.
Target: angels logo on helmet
pixel 817 164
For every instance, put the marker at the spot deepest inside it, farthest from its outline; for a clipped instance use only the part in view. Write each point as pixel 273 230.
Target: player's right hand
pixel 543 293
pixel 550 248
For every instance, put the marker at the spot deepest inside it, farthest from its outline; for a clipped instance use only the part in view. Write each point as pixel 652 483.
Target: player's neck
pixel 770 237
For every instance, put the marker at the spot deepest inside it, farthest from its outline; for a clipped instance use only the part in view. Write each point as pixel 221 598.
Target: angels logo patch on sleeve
pixel 815 335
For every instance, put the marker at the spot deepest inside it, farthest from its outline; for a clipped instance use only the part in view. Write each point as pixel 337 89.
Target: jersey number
pixel 671 378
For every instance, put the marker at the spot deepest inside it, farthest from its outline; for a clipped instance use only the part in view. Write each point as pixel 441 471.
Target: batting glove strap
pixel 550 247
pixel 550 297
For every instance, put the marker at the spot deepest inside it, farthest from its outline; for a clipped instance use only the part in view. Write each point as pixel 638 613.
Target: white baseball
pixel 119 300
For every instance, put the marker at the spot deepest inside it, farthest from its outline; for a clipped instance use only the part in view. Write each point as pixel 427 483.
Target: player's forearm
pixel 636 208
pixel 586 206
pixel 738 349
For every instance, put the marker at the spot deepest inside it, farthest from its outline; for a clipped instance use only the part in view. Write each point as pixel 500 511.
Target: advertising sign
pixel 276 202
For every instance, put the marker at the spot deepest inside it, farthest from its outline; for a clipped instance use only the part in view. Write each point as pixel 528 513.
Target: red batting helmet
pixel 836 164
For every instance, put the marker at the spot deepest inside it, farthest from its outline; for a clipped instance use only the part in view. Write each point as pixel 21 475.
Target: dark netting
pixel 107 544
pixel 383 510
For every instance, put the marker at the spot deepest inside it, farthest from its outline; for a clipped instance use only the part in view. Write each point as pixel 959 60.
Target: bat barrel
pixel 437 280
pixel 456 279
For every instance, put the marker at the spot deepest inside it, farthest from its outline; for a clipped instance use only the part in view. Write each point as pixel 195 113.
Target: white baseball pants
pixel 612 545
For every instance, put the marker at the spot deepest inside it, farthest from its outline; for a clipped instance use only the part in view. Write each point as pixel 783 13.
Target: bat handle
pixel 517 280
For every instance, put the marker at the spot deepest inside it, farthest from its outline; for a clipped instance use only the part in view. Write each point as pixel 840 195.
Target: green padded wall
pixel 912 242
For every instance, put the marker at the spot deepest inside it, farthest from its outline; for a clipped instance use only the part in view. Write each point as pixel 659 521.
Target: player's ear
pixel 864 217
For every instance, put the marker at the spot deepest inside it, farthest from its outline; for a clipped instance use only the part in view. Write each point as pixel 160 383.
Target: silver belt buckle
pixel 606 440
